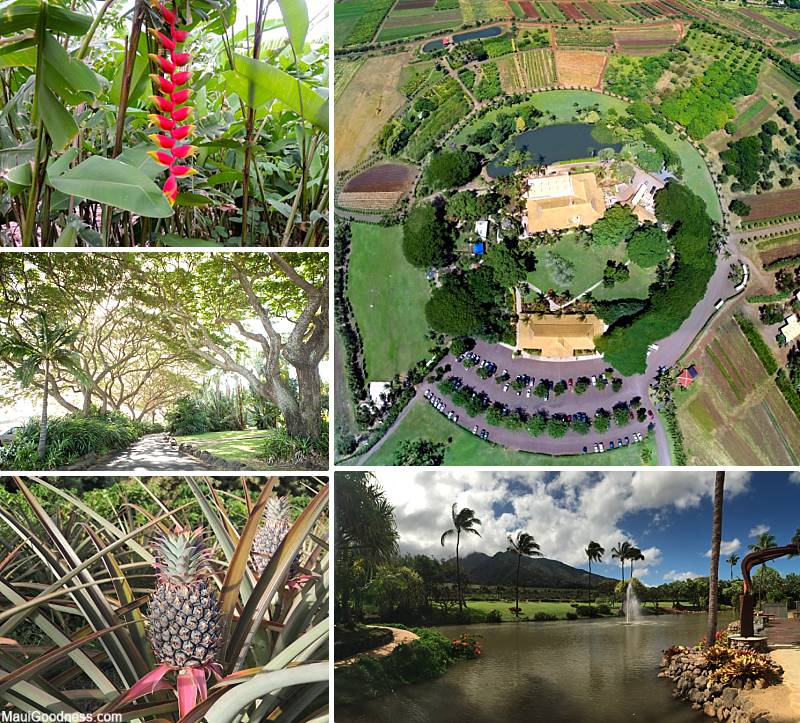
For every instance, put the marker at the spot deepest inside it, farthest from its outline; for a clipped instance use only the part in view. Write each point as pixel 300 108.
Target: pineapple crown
pixel 277 507
pixel 181 555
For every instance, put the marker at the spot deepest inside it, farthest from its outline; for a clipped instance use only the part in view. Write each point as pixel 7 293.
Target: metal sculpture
pixel 749 561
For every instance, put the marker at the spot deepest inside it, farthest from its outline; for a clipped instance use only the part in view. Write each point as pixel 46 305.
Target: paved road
pixel 151 454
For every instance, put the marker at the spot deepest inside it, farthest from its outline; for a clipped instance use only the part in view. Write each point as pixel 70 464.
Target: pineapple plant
pixel 184 615
pixel 273 528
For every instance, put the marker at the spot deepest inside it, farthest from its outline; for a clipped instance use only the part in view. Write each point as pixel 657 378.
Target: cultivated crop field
pixel 580 67
pixel 734 413
pixel 344 70
pixel 528 70
pixel 646 41
pixel 479 10
pixel 405 21
pixel 378 188
pixel 772 204
pixel 549 10
pixel 451 103
pixel 368 101
pixel 529 10
pixel 584 37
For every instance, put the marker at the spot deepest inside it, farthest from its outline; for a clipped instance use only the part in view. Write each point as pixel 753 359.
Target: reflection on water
pixel 593 671
pixel 492 32
pixel 550 144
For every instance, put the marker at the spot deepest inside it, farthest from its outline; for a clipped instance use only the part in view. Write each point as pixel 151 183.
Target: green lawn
pixel 529 609
pixel 347 14
pixel 388 297
pixel 245 446
pixel 695 172
pixel 589 263
pixel 467 449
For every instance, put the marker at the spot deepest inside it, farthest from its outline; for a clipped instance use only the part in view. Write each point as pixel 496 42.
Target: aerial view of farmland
pixel 567 232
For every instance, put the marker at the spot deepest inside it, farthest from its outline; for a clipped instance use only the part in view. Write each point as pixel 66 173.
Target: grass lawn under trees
pixel 425 422
pixel 589 262
pixel 242 446
pixel 388 297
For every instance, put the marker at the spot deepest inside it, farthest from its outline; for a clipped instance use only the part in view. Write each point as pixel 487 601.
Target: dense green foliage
pixel 763 352
pixel 419 453
pixel 426 238
pixel 71 437
pixel 648 246
pixel 616 226
pixel 448 169
pixel 691 235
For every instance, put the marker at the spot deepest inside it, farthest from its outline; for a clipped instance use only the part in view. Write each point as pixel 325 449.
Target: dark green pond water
pixel 492 32
pixel 551 144
pixel 593 671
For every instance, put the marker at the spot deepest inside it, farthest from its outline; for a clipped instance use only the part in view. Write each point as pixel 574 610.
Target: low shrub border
pixel 758 344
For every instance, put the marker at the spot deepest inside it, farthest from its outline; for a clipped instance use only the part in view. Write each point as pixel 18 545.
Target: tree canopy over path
pixel 151 326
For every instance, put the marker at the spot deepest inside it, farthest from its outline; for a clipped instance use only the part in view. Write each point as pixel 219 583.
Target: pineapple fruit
pixel 274 527
pixel 184 624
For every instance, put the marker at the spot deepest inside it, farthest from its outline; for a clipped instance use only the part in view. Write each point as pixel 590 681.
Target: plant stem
pixel 33 196
pixel 81 54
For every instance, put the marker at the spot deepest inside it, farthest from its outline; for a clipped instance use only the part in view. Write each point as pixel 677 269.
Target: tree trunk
pixel 590 581
pixel 716 539
pixel 458 576
pixel 43 422
pixel 519 560
pixel 310 397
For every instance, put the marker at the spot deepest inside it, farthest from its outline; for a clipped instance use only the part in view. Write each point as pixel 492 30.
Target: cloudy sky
pixel 666 514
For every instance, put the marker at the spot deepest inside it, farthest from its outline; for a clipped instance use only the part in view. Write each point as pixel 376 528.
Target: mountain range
pixel 501 569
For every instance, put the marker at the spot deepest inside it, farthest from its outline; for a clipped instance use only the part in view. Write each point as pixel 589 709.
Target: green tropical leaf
pixel 12 157
pixel 172 239
pixel 192 199
pixel 265 82
pixel 68 237
pixel 295 15
pixel 64 71
pixel 116 184
pixel 19 178
pixel 18 55
pixel 25 15
pixel 59 122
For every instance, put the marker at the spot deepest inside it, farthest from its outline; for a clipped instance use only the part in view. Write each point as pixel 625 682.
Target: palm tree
pixel 765 541
pixel 716 541
pixel 732 560
pixel 463 521
pixel 523 545
pixel 594 553
pixel 43 345
pixel 634 554
pixel 621 552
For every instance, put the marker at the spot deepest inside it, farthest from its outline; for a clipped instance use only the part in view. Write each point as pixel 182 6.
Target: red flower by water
pixel 171 103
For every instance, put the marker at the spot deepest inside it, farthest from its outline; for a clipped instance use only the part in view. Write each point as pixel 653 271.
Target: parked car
pixel 484 434
pixel 602 448
pixel 505 387
pixel 528 392
pixel 569 383
pixel 455 418
pixel 594 380
pixel 585 450
pixel 596 447
pixel 611 444
pixel 627 441
pixel 650 414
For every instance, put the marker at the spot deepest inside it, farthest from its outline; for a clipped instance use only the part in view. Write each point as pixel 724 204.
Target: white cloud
pixel 759 530
pixel 673 575
pixel 726 547
pixel 563 510
pixel 795 477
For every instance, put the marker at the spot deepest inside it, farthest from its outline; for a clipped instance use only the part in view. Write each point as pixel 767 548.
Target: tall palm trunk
pixel 716 539
pixel 43 421
pixel 622 574
pixel 519 560
pixel 458 576
pixel 590 580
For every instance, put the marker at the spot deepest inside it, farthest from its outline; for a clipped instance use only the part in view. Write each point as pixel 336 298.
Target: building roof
pixel 482 229
pixel 791 329
pixel 562 201
pixel 558 337
pixel 687 376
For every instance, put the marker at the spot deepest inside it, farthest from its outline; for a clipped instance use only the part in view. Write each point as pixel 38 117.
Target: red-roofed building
pixel 687 376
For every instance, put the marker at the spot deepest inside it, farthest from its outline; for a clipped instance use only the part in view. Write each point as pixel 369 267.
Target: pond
pixel 594 671
pixel 492 32
pixel 551 144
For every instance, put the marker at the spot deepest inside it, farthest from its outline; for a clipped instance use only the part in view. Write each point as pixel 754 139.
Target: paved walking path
pixel 400 638
pixel 151 454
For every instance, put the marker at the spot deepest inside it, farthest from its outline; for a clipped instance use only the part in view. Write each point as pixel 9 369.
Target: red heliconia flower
pixel 162 141
pixel 164 124
pixel 168 153
pixel 181 171
pixel 165 64
pixel 181 132
pixel 163 40
pixel 180 77
pixel 181 96
pixel 165 105
pixel 164 85
pixel 183 151
pixel 171 189
pixel 162 157
pixel 181 114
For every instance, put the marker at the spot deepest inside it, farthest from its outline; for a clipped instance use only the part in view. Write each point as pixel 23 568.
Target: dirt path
pixel 782 701
pixel 151 454
pixel 401 637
